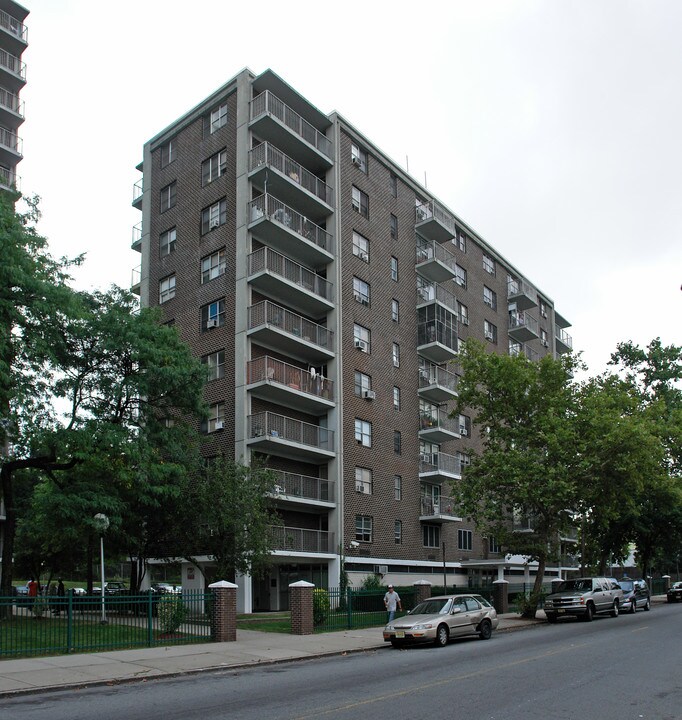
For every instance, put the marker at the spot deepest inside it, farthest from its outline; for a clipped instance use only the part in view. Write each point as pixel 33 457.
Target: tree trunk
pixel 534 599
pixel 9 527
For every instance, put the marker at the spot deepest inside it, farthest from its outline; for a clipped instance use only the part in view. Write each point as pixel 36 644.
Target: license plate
pixel 399 633
pixel 560 611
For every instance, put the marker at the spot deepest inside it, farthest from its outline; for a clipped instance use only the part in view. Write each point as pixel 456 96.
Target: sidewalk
pixel 252 647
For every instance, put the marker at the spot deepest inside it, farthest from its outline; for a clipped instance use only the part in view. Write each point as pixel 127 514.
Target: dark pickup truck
pixel 584 598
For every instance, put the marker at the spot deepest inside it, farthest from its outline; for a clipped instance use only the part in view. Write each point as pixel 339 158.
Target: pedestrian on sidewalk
pixel 392 601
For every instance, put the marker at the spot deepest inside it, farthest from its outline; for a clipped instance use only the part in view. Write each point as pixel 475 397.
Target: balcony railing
pixel 563 337
pixel 301 539
pixel 440 463
pixel 11 140
pixel 438 419
pixel 13 64
pixel 267 313
pixel 13 26
pixel 12 102
pixel 278 264
pixel 443 506
pixel 265 153
pixel 271 425
pixel 434 291
pixel 519 320
pixel 517 349
pixel 303 486
pixel 437 331
pixel 136 279
pixel 432 210
pixel 274 209
pixel 267 103
pixel 269 369
pixel 138 190
pixel 519 287
pixel 430 374
pixel 137 233
pixel 431 250
pixel 9 179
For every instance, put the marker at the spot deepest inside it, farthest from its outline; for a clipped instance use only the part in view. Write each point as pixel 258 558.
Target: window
pixel 394 269
pixel 363 432
pixel 396 397
pixel 489 297
pixel 212 266
pixel 398 532
pixel 363 480
pixel 395 310
pixel 543 308
pixel 167 153
pixel 216 119
pixel 464 459
pixel 358 157
pixel 216 418
pixel 168 196
pixel 362 338
pixel 488 264
pixel 462 313
pixel 360 291
pixel 464 539
pixel 397 487
pixel 213 216
pixel 215 365
pixel 543 337
pixel 460 276
pixel 396 355
pixel 360 202
pixel 394 227
pixel 490 331
pixel 166 289
pixel 493 545
pixel 363 528
pixel 213 315
pixel 214 167
pixel 394 185
pixel 431 536
pixel 361 247
pixel 461 241
pixel 362 382
pixel 167 242
pixel 464 425
pixel 397 442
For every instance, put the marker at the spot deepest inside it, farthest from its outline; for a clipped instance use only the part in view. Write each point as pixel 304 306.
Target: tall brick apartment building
pixel 327 291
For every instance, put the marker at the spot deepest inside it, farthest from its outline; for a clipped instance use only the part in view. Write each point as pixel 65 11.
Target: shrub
pixel 320 606
pixel 172 612
pixel 372 582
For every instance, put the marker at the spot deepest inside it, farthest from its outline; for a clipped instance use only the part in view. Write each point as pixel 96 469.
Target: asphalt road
pixel 622 668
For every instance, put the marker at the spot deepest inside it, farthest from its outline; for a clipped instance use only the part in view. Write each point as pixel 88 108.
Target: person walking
pixel 391 602
pixel 32 594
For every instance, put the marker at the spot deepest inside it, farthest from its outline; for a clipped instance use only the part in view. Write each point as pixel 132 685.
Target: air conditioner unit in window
pixel 436 509
pixel 360 298
pixel 382 569
pixel 369 394
pixel 356 161
pixel 212 323
pixel 358 487
pixel 461 281
pixel 463 430
pixel 363 256
pixel 423 293
pixel 218 425
pixel 214 224
pixel 545 343
pixel 489 336
pixel 360 344
pixel 426 458
pixel 424 374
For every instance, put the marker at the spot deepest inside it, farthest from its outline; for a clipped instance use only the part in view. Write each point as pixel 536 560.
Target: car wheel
pixel 614 609
pixel 485 630
pixel 647 605
pixel 551 617
pixel 589 613
pixel 633 606
pixel 442 636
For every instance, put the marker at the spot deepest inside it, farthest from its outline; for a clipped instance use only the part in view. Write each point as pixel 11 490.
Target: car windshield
pixel 432 607
pixel 626 584
pixel 577 584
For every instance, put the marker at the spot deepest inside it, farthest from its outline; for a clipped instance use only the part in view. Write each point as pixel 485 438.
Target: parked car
pixel 165 588
pixel 114 587
pixel 635 594
pixel 441 618
pixel 675 593
pixel 584 598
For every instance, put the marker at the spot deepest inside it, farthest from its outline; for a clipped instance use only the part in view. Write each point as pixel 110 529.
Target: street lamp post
pixel 102 523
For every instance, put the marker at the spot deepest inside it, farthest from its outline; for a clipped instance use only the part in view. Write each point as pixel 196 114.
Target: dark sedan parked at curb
pixel 636 595
pixel 441 618
pixel 675 593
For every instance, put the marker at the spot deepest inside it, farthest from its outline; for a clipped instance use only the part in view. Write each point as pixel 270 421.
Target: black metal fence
pixel 336 609
pixel 77 623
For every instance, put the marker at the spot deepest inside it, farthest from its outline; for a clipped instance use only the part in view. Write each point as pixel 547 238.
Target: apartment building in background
pixel 327 292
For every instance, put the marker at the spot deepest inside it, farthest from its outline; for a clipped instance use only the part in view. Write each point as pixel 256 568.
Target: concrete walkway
pixel 252 647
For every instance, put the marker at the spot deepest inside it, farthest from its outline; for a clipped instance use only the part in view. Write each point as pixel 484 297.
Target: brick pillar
pixel 301 605
pixel 501 596
pixel 422 591
pixel 224 612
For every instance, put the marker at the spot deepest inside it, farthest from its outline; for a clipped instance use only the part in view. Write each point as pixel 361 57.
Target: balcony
pixel 437 341
pixel 295 387
pixel 434 222
pixel 434 261
pixel 441 510
pixel 303 489
pixel 292 539
pixel 290 181
pixel 523 327
pixel 280 329
pixel 272 119
pixel 564 342
pixel 286 437
pixel 11 108
pixel 136 280
pixel 136 243
pixel 434 293
pixel 138 191
pixel 436 426
pixel 516 349
pixel 15 33
pixel 522 293
pixel 280 226
pixel 439 467
pixel 12 72
pixel 569 535
pixel 523 524
pixel 9 180
pixel 436 384
pixel 11 146
pixel 283 279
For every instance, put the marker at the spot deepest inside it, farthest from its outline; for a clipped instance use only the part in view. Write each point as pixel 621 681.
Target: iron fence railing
pixel 79 623
pixel 266 258
pixel 266 368
pixel 338 609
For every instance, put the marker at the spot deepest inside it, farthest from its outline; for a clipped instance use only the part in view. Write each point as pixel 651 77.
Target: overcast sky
pixel 554 128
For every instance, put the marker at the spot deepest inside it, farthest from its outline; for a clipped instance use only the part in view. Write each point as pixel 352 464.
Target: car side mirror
pixel 456 610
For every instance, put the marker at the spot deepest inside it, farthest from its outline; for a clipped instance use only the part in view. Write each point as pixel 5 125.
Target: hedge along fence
pixel 335 609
